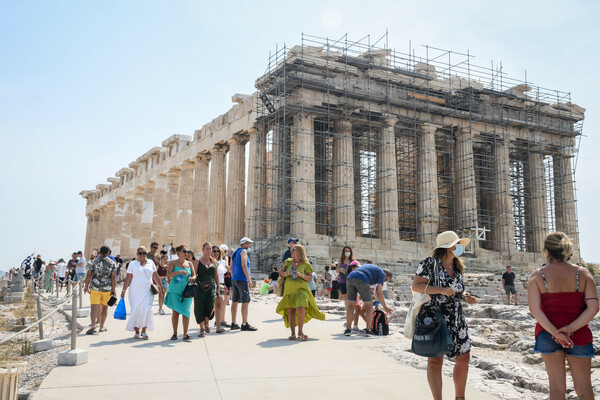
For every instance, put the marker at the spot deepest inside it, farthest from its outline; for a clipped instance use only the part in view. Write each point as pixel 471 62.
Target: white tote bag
pixel 418 300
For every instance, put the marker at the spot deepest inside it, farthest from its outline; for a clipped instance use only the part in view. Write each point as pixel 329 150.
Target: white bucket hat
pixel 245 240
pixel 448 239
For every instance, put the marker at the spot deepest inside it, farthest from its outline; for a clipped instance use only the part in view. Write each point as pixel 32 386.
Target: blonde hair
pixel 440 252
pixel 300 249
pixel 559 246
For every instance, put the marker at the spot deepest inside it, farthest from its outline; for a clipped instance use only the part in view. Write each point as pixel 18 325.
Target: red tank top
pixel 564 308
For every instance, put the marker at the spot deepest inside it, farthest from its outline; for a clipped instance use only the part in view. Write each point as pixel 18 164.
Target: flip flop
pixel 292 337
pixel 220 330
pixel 304 338
pixel 187 338
pixel 103 330
pixel 91 331
pixel 174 337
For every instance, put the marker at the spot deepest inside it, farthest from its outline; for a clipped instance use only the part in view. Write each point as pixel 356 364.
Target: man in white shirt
pixel 80 269
pixel 61 269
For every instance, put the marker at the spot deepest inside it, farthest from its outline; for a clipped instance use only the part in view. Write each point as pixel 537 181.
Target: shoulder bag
pixel 431 336
pixel 417 301
pixel 153 287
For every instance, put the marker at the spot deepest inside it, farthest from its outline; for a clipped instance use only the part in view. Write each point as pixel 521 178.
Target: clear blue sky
pixel 88 86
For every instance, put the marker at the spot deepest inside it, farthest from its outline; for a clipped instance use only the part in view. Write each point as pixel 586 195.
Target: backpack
pixel 379 318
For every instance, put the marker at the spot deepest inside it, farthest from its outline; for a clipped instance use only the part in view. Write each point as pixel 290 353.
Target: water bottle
pixel 380 329
pixel 178 278
pixel 293 273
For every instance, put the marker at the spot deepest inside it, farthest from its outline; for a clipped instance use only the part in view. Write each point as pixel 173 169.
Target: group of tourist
pixel 562 297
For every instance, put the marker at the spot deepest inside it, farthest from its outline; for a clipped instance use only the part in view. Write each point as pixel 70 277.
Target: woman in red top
pixel 563 299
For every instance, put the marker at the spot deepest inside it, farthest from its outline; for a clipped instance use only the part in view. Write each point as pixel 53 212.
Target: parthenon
pixel 350 143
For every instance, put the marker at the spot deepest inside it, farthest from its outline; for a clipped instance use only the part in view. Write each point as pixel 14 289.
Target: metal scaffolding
pixel 517 132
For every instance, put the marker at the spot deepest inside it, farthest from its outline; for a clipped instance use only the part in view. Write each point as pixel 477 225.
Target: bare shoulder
pixel 535 275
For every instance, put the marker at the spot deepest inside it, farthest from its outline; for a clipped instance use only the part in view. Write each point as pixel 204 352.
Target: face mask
pixel 248 250
pixel 460 249
pixel 347 254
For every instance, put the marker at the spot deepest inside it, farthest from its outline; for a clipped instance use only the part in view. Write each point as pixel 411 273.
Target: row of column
pixel 180 206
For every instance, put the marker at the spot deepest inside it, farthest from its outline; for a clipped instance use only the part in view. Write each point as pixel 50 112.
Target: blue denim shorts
pixel 545 344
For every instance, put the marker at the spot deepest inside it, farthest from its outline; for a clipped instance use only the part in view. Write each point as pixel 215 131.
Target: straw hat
pixel 448 239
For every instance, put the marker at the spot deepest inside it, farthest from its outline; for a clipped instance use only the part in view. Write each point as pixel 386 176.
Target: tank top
pixel 563 308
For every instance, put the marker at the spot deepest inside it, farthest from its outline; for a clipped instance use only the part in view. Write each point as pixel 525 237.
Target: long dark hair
pixel 441 252
pixel 343 256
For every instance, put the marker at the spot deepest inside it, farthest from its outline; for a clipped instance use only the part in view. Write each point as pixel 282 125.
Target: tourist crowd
pixel 562 298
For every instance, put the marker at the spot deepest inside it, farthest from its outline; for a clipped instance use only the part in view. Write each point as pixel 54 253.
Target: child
pixel 265 288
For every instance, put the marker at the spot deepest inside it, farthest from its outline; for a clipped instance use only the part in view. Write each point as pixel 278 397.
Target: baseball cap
pixel 293 239
pixel 246 240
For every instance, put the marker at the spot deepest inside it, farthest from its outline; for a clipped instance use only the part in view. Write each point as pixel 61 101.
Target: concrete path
pixel 238 365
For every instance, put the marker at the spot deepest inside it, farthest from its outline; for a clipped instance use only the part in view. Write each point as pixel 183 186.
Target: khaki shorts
pixel 97 297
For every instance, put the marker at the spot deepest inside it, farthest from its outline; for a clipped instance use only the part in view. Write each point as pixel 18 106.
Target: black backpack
pixel 379 318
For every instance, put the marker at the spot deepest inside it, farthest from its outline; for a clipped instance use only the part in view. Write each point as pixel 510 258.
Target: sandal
pixel 292 337
pixel 144 336
pixel 103 330
pixel 136 336
pixel 174 337
pixel 187 337
pixel 207 330
pixel 91 331
pixel 220 330
pixel 201 334
pixel 304 338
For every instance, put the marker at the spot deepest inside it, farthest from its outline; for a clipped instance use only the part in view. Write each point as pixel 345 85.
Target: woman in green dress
pixel 49 274
pixel 298 306
pixel 181 273
pixel 207 279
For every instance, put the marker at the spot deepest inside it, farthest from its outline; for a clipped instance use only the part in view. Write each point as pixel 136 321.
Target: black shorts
pixel 343 288
pixel 240 292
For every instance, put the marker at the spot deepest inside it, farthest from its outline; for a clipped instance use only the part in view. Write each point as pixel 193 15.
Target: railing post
pixel 39 315
pixel 79 282
pixel 74 320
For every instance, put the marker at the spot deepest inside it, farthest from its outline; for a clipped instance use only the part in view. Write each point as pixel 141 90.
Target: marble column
pixel 95 230
pixel 255 192
pixel 184 213
pixel 535 205
pixel 109 221
pixel 504 231
pixel 147 214
pixel 236 189
pixel 117 227
pixel 88 234
pixel 564 202
pixel 158 210
pixel 465 189
pixel 343 181
pixel 136 220
pixel 200 202
pixel 428 210
pixel 302 208
pixel 387 184
pixel 217 194
pixel 127 226
pixel 172 207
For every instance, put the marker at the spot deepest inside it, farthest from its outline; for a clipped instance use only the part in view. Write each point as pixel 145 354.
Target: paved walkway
pixel 237 365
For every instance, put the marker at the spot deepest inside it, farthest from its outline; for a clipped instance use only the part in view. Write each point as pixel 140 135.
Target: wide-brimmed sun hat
pixel 448 239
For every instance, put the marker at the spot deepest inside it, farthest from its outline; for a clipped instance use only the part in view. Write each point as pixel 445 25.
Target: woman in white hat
pixel 445 297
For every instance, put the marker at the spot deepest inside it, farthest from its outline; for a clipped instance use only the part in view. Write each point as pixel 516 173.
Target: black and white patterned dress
pixel 450 305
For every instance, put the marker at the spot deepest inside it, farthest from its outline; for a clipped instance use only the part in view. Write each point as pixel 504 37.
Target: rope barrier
pixel 57 308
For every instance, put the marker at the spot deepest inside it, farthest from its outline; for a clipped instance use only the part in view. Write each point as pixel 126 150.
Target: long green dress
pixel 173 299
pixel 204 300
pixel 48 279
pixel 296 293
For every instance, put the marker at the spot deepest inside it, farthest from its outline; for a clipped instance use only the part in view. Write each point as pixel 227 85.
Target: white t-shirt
pixel 61 269
pixel 80 269
pixel 221 270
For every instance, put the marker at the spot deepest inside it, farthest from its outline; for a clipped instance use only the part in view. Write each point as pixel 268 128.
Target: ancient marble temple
pixel 355 145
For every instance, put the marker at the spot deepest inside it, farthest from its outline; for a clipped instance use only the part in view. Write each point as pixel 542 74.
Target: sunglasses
pixel 155 248
pixel 215 251
pixel 142 253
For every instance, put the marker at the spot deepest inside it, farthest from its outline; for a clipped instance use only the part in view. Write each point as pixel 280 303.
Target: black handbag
pixel 432 337
pixel 189 291
pixel 206 285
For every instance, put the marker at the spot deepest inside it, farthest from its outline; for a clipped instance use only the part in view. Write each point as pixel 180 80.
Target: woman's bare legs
pixel 555 368
pixel 434 376
pixel 292 320
pixel 186 324
pixel 461 371
pixel 581 371
pixel 301 313
pixel 175 321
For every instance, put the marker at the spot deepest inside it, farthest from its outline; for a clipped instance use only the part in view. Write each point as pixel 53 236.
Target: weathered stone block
pixel 73 357
pixel 67 307
pixel 83 312
pixel 42 345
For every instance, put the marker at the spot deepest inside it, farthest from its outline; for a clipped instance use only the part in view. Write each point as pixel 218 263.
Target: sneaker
pixel 234 326
pixel 161 312
pixel 368 332
pixel 355 329
pixel 225 324
pixel 248 327
pixel 347 332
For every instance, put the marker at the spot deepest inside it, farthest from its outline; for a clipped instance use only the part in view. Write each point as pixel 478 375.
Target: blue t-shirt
pixel 237 273
pixel 312 284
pixel 368 273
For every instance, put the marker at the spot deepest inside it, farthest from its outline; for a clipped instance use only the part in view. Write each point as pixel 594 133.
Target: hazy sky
pixel 86 87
